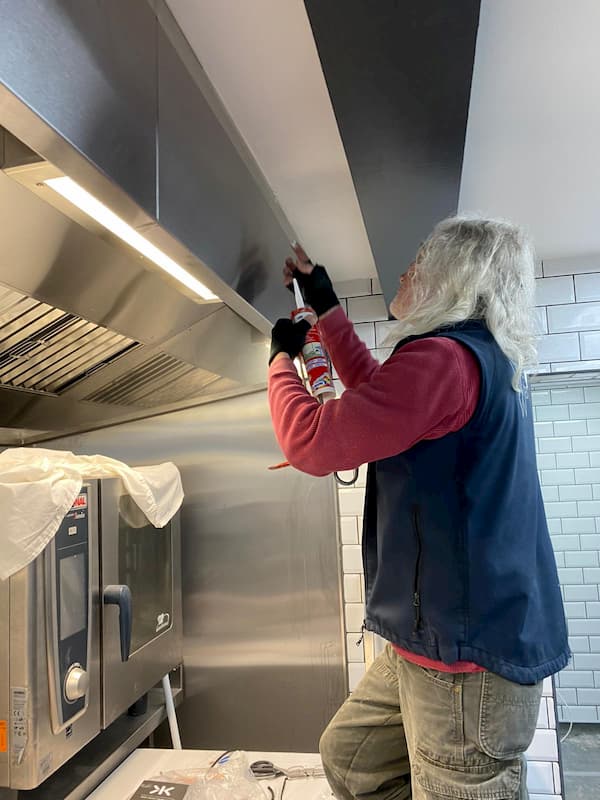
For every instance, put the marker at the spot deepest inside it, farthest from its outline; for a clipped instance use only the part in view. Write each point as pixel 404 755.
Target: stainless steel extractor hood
pixel 90 334
pixel 112 98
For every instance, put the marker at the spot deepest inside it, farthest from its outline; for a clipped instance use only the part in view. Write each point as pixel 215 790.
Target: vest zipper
pixel 417 582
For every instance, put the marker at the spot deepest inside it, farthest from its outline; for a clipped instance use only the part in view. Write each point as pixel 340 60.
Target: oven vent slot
pixel 45 349
pixel 158 380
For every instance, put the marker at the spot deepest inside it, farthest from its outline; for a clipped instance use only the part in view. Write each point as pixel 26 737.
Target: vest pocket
pixel 417 576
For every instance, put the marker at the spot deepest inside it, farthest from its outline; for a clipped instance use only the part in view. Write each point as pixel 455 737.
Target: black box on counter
pixel 167 790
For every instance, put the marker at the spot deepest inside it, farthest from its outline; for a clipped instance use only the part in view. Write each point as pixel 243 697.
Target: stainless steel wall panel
pixel 263 646
pixel 207 196
pixel 89 69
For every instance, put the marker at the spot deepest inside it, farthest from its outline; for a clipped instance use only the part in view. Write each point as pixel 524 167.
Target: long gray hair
pixel 475 268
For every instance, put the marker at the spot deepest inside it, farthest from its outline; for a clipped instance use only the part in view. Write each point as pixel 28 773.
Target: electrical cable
pixel 568 733
pixel 283 785
pixel 216 761
pixel 342 482
pixel 171 713
pixel 566 705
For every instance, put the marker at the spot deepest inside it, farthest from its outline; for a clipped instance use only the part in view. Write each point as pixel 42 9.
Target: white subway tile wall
pixel 355 673
pixel 571 265
pixel 554 291
pixel 367 309
pixel 573 317
pixel 590 346
pixel 575 531
pixel 359 287
pixel 568 313
pixel 556 347
pixel 587 288
pixel 541 320
pixel 364 303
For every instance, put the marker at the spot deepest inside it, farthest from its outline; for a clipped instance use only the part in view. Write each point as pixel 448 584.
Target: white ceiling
pixel 533 137
pixel 532 150
pixel 262 60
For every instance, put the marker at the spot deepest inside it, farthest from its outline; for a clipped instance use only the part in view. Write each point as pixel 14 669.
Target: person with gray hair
pixel 460 575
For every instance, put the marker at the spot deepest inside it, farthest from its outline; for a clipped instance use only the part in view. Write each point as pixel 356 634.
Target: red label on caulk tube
pixel 315 357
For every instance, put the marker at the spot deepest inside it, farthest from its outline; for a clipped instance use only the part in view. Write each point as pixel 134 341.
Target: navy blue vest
pixel 457 556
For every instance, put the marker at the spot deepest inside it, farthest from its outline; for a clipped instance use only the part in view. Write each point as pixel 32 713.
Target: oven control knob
pixel 77 683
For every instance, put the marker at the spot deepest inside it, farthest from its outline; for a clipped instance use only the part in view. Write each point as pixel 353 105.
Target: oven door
pixel 141 610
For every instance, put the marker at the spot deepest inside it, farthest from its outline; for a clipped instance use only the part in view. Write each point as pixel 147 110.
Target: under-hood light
pixel 75 194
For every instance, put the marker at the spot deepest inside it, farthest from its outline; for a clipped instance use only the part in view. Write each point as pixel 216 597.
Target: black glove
pixel 317 289
pixel 288 337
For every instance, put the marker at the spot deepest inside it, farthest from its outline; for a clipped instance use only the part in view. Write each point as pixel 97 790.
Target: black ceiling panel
pixel 399 77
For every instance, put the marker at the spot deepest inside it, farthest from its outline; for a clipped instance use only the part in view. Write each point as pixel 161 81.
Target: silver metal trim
pixel 565 380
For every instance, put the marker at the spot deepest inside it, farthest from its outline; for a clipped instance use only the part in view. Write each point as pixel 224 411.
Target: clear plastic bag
pixel 186 776
pixel 230 779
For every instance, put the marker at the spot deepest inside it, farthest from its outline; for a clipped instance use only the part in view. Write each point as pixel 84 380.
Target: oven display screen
pixel 73 595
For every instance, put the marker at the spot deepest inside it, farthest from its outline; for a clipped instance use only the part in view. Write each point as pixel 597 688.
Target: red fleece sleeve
pixel 427 389
pixel 350 356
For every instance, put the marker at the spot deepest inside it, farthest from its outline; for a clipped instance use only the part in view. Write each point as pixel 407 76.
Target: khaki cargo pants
pixel 456 736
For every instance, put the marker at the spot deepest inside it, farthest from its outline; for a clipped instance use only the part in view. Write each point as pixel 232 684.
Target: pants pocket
pixel 508 716
pixel 432 709
pixel 492 781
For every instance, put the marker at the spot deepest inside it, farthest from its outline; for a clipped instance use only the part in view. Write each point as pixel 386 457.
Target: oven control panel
pixel 69 606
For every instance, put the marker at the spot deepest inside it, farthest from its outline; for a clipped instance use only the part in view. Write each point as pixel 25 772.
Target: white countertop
pixel 143 764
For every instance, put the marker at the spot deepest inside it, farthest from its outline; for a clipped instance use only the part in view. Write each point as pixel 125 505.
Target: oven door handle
pixel 120 595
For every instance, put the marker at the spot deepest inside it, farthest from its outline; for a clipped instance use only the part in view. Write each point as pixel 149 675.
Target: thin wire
pixel 568 733
pixel 564 702
pixel 283 785
pixel 216 761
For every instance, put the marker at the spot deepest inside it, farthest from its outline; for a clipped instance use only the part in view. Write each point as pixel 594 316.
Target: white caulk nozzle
pixel 298 294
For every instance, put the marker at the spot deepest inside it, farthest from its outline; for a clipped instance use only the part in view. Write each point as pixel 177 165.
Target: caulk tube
pixel 316 360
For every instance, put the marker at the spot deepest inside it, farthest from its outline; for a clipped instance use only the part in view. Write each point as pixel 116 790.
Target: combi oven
pixel 85 631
